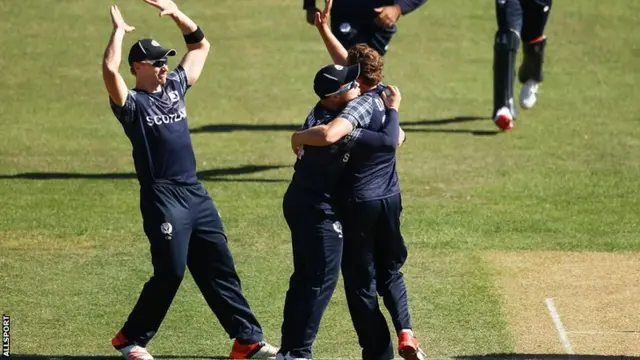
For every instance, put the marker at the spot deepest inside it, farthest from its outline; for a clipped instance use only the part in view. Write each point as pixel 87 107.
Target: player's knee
pixel 322 279
pixel 386 280
pixel 506 40
pixel 170 275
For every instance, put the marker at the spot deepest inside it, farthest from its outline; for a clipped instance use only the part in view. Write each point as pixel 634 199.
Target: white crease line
pixel 562 332
pixel 605 332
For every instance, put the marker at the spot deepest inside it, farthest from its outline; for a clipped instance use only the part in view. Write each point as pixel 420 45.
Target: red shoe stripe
pixel 118 340
pixel 243 351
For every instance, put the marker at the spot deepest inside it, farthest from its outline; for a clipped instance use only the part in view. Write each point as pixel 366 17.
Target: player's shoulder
pixel 376 99
pixel 363 100
pixel 176 74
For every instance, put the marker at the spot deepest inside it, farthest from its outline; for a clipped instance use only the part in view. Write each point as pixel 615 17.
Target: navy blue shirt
pixel 370 173
pixel 318 169
pixel 156 124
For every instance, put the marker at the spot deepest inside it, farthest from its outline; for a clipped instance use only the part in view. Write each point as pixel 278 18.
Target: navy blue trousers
pixel 374 252
pixel 316 239
pixel 527 17
pixel 184 229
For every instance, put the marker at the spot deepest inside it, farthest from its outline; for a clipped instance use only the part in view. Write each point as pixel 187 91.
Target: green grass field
pixel 73 257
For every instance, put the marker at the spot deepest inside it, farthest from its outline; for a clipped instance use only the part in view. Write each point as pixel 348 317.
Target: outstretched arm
pixel 197 45
pixel 338 53
pixel 113 81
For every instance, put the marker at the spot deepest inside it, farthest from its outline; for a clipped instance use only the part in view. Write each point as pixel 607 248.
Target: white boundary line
pixel 562 332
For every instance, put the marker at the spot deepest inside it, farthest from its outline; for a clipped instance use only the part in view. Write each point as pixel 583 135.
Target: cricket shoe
pixel 504 119
pixel 135 352
pixel 257 350
pixel 130 351
pixel 409 347
pixel 287 356
pixel 529 94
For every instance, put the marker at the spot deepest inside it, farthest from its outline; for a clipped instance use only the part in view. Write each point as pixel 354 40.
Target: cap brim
pixel 160 54
pixel 166 52
pixel 353 72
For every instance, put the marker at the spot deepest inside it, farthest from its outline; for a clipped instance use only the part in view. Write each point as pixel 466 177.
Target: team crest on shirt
pixel 173 95
pixel 337 227
pixel 167 230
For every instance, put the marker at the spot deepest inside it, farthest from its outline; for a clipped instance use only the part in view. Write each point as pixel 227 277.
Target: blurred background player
pixel 372 22
pixel 518 20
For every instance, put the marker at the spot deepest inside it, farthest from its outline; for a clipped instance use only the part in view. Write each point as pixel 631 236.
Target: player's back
pixel 370 173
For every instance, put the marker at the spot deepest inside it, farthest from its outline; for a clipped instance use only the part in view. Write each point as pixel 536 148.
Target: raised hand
pixel 166 7
pixel 322 17
pixel 327 8
pixel 118 21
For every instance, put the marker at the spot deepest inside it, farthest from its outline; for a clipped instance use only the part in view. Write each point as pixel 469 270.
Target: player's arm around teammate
pixel 390 136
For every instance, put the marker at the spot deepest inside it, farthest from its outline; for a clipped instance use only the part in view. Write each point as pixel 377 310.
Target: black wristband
pixel 195 37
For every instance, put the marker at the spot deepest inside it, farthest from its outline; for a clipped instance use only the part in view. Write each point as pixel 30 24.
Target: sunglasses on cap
pixel 156 63
pixel 346 87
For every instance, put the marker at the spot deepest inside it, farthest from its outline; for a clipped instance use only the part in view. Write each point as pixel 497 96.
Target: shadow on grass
pixel 406 125
pixel 430 126
pixel 105 357
pixel 207 175
pixel 544 357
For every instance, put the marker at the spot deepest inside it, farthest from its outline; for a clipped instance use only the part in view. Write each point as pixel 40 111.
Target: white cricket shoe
pixel 529 94
pixel 135 352
pixel 267 351
pixel 288 357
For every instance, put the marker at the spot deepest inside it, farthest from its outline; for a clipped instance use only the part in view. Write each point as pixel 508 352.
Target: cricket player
pixel 372 22
pixel 374 249
pixel 518 20
pixel 311 213
pixel 179 217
